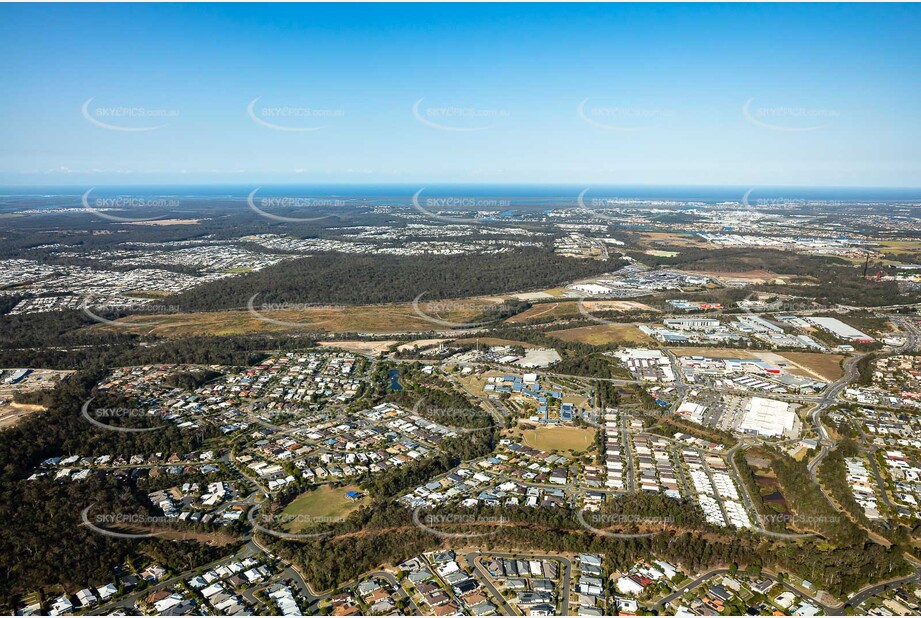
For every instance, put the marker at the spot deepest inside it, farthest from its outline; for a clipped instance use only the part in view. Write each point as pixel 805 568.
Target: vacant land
pixel 395 318
pixel 372 348
pixel 603 334
pixel 580 401
pixel 420 343
pixel 825 366
pixel 667 239
pixel 322 505
pixel 494 341
pixel 11 413
pixel 572 439
pixel 544 311
pixel 570 309
pixel 768 487
pixel 714 352
pixel 215 539
pixel 900 247
pixel 161 222
pixel 476 383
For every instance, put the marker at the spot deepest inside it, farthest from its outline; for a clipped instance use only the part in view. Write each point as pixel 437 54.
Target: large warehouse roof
pixel 768 417
pixel 841 329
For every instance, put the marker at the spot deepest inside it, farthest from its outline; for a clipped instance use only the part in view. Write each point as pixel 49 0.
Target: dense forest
pixel 42 541
pixel 813 511
pixel 72 340
pixel 389 536
pixel 833 475
pixel 828 280
pixel 361 279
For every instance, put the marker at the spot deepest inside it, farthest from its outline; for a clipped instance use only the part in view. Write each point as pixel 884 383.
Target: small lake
pixel 395 380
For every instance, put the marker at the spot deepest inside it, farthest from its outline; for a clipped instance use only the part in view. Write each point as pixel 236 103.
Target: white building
pixel 841 330
pixel 625 585
pixel 592 288
pixel 692 323
pixel 770 418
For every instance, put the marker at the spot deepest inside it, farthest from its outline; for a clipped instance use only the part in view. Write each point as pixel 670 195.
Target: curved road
pixel 831 610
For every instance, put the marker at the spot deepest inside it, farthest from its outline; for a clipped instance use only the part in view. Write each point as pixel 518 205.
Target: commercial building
pixel 770 418
pixel 692 323
pixel 841 330
pixel 593 288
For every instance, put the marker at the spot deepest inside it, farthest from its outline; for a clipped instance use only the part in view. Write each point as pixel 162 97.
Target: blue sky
pixel 817 95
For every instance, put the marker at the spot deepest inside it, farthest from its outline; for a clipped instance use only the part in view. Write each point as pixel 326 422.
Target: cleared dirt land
pixel 215 539
pixel 495 341
pixel 666 239
pixel 476 383
pixel 11 413
pixel 603 334
pixel 359 347
pixel 321 505
pixel 37 380
pixel 826 366
pixel 713 352
pixel 395 318
pixel 570 309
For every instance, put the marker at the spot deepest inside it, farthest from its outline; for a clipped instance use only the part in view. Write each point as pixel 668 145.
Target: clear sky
pixel 820 95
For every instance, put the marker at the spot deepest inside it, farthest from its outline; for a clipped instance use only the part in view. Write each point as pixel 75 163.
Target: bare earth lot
pixel 570 309
pixel 392 318
pixel 602 334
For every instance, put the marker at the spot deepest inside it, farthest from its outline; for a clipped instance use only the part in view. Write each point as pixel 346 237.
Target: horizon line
pixel 460 184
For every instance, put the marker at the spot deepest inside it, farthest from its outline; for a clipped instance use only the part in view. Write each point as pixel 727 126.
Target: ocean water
pixel 516 194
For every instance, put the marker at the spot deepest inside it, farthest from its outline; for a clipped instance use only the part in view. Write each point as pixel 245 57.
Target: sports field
pixel 320 505
pixel 572 439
